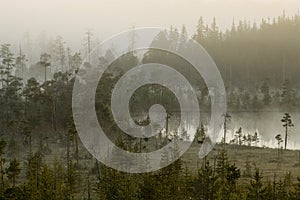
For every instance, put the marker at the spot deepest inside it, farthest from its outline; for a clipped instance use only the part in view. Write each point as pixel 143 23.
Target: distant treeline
pixel 248 54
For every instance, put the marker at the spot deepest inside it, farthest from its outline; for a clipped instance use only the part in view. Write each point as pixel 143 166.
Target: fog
pixel 71 18
pixel 267 124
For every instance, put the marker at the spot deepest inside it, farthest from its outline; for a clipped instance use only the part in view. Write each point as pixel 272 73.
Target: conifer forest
pixel 257 152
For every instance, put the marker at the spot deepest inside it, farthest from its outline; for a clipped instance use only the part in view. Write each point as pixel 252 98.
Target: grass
pixel 266 159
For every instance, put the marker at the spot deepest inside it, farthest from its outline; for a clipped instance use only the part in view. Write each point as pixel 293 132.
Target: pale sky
pixel 71 18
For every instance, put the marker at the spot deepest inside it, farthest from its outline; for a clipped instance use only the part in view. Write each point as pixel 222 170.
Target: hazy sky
pixel 71 18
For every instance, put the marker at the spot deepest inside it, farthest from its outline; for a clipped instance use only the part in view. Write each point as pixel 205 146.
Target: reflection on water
pixel 267 124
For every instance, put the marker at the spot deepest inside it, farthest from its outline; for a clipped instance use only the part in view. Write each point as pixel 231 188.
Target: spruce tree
pixel 257 191
pixel 13 171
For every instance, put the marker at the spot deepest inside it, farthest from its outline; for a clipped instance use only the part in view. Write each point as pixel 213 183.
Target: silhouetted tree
pixel 13 171
pixel 287 123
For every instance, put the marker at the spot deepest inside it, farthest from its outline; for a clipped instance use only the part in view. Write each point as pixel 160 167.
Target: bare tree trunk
pixel 45 74
pixel 2 175
pixel 54 115
pixel 98 169
pixel 76 146
pixel 36 175
pixel 68 154
pixel 14 181
pixel 285 141
pixel 213 176
pixel 278 152
pixel 89 188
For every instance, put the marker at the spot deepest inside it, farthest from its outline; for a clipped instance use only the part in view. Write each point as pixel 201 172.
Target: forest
pixel 42 157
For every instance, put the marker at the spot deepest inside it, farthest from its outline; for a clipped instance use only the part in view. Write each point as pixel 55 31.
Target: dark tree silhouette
pixel 287 123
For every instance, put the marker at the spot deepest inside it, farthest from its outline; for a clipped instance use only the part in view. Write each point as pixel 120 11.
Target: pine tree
pixel 183 39
pixel 45 61
pixel 33 173
pixel 256 189
pixel 60 53
pixel 200 34
pixel 75 62
pixel 248 169
pixel 287 123
pixel 2 161
pixel 200 134
pixel 46 183
pixel 7 64
pixel 269 192
pixel 239 135
pixel 255 138
pixel 288 182
pixel 58 175
pixel 213 33
pixel 13 171
pixel 281 191
pixel 187 187
pixel 31 93
pixel 147 188
pixel 279 140
pixel 233 174
pixel 296 194
pixel 204 182
pixel 222 173
pixel 20 64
